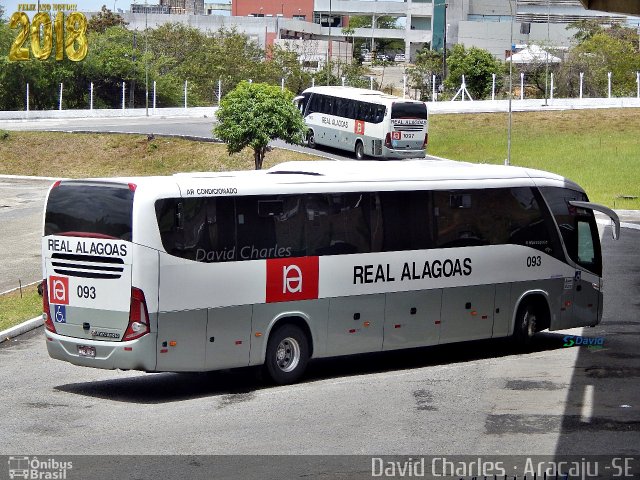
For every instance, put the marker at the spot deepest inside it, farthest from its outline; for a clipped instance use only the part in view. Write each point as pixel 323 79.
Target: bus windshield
pixel 90 210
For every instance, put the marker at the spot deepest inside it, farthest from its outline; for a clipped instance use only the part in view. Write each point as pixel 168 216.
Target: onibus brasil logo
pixel 36 469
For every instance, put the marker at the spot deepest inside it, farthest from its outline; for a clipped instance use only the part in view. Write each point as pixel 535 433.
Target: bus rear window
pixel 409 110
pixel 90 209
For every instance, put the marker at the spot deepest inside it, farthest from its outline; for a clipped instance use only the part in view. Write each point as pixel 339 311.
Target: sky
pixel 11 6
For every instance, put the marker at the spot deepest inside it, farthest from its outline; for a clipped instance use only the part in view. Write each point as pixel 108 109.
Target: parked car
pixel 367 57
pixel 399 58
pixel 381 57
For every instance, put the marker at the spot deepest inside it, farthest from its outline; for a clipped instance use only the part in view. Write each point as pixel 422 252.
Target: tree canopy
pixel 104 19
pixel 253 114
pixel 477 66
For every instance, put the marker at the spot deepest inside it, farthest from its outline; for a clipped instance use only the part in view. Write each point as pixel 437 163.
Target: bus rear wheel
pixel 311 139
pixel 287 354
pixel 359 150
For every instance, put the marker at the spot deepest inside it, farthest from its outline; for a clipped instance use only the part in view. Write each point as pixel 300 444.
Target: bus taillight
pixel 387 140
pixel 46 313
pixel 426 140
pixel 138 316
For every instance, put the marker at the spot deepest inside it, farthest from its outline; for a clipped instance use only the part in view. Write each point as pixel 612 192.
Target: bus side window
pixel 407 220
pixel 459 217
pixel 313 104
pixel 379 114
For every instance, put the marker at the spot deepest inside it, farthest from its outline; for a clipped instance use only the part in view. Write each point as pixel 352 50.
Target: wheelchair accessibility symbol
pixel 60 314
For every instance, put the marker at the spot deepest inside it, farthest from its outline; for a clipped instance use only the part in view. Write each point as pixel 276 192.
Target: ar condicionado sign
pixel 65 37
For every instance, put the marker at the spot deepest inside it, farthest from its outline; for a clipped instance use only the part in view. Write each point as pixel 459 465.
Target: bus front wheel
pixel 311 139
pixel 526 325
pixel 287 354
pixel 359 150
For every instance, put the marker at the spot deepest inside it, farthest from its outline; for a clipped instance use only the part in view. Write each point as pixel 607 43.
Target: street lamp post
pixel 146 61
pixel 329 47
pixel 508 161
pixel 444 44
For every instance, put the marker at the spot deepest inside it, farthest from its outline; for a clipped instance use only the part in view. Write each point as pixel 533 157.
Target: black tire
pixel 526 325
pixel 311 139
pixel 287 354
pixel 359 150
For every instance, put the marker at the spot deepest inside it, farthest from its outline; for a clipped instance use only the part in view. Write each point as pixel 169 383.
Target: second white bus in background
pixel 366 122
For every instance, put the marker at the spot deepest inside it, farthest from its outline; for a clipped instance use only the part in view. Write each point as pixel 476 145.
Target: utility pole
pixel 444 44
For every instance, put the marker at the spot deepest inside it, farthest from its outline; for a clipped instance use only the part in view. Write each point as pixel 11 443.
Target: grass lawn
pixel 598 149
pixel 15 309
pixel 77 155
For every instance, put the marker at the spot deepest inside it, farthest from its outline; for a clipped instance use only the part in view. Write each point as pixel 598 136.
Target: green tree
pixel 253 114
pixel 282 63
pixel 111 60
pixel 477 66
pixel 104 19
pixel 427 64
pixel 585 29
pixel 600 51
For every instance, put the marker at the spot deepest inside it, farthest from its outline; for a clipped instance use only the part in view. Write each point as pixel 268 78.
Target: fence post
pixel 123 99
pixel 91 96
pixel 433 88
pixel 608 84
pixel 581 79
pixel 493 86
pixel 154 96
pixel 638 84
pixel 371 82
pixel 343 81
pixel 521 85
pixel 185 94
pixel 282 84
pixel 60 101
pixel 404 86
pixel 313 81
pixel 552 86
pixel 27 98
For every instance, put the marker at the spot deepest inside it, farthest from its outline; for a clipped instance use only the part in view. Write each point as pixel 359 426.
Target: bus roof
pixel 362 94
pixel 393 171
pixel 334 176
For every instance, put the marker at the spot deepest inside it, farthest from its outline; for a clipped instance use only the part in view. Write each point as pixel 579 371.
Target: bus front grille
pixel 87 266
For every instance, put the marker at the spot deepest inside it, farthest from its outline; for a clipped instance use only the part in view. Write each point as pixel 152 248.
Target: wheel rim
pixel 359 151
pixel 288 354
pixel 530 325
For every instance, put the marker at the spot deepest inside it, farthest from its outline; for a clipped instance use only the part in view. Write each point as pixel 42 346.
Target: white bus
pixel 197 272
pixel 366 122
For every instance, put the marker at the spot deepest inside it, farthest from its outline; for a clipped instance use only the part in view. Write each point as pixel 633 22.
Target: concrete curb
pixel 24 327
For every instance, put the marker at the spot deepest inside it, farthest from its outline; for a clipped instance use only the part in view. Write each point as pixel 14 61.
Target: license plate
pixel 85 351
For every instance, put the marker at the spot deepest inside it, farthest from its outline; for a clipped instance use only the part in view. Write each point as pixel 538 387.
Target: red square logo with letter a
pixel 290 279
pixel 59 290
